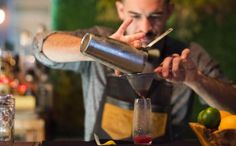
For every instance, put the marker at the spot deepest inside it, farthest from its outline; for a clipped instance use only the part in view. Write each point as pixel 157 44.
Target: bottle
pixel 45 100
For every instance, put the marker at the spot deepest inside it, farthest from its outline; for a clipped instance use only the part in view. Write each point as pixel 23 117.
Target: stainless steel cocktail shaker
pixel 113 53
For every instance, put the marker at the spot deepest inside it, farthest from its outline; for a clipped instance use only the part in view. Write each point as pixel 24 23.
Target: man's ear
pixel 120 9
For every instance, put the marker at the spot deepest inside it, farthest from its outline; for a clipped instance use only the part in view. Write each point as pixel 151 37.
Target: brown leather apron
pixel 115 116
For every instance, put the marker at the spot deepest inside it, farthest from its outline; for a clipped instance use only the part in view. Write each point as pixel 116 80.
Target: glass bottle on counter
pixel 44 93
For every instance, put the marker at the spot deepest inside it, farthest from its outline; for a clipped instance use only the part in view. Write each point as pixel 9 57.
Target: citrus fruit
pixel 209 117
pixel 228 122
pixel 110 142
pixel 224 114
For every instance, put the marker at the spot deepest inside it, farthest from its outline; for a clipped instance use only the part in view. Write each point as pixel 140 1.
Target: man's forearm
pixel 216 93
pixel 63 47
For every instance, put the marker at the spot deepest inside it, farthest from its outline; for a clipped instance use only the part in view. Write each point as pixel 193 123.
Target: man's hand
pixel 178 68
pixel 132 39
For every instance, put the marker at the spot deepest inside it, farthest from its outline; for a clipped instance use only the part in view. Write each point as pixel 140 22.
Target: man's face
pixel 149 16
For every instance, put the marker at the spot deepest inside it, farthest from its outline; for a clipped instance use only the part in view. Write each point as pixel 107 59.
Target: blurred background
pixel 44 110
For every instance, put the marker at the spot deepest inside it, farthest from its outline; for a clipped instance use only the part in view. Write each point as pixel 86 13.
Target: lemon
pixel 209 117
pixel 224 114
pixel 110 142
pixel 228 122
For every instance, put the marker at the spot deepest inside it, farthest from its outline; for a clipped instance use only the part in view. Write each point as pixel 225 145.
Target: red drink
pixel 142 93
pixel 142 139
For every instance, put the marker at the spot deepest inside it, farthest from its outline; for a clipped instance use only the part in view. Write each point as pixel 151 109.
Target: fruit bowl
pixel 209 137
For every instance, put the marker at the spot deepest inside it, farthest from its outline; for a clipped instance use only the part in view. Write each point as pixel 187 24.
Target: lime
pixel 199 118
pixel 209 117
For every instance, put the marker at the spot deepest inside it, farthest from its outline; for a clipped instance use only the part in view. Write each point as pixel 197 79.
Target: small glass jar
pixel 7 116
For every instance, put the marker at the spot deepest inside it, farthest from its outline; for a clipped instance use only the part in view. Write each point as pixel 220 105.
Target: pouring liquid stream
pixel 142 93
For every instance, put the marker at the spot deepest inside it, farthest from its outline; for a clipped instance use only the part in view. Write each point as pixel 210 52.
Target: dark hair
pixel 167 1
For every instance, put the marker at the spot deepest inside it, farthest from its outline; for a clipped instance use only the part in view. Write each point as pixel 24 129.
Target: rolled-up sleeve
pixel 37 48
pixel 78 66
pixel 42 58
pixel 205 63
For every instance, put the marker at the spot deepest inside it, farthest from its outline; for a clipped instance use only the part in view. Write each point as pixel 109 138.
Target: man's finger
pixel 176 66
pixel 158 69
pixel 175 55
pixel 137 44
pixel 185 54
pixel 133 37
pixel 166 66
pixel 117 72
pixel 186 61
pixel 124 25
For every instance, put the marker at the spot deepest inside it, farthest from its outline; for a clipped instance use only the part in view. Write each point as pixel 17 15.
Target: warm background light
pixel 2 16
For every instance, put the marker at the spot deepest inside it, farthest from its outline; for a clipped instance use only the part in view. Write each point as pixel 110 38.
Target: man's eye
pixel 135 16
pixel 156 17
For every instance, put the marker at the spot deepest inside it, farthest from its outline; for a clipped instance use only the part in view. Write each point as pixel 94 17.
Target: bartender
pixel 108 99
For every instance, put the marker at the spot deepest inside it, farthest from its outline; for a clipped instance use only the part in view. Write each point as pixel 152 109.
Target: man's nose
pixel 146 25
